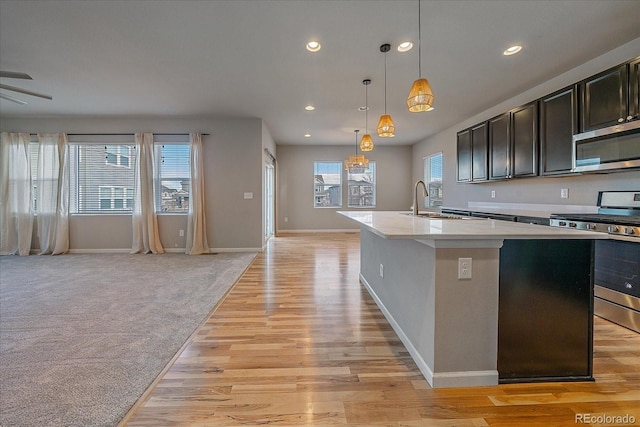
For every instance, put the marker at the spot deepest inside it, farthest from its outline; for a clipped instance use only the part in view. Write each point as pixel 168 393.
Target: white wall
pixel 296 185
pixel 233 165
pixel 583 190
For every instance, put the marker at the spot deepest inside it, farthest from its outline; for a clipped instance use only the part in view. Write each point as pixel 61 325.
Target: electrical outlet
pixel 493 194
pixel 181 233
pixel 564 193
pixel 465 267
pixel 286 219
pixel 381 270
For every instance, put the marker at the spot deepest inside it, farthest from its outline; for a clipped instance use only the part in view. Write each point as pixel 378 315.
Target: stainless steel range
pixel 616 260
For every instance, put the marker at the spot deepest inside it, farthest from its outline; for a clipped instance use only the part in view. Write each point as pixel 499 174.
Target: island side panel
pixel 407 289
pixel 545 328
pixel 448 325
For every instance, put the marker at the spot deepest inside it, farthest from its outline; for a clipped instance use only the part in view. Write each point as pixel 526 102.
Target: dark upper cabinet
pixel 524 140
pixel 558 123
pixel 605 99
pixel 464 155
pixel 634 90
pixel 479 149
pixel 500 147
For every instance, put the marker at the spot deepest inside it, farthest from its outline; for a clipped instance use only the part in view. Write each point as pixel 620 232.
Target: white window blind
pixel 433 177
pixel 173 187
pixel 362 188
pixel 34 153
pixel 327 182
pixel 102 178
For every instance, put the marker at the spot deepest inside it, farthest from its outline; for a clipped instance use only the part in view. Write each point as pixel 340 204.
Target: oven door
pixel 617 282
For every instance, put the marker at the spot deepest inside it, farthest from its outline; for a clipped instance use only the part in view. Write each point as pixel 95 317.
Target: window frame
pixel 339 166
pixel 434 184
pixel 373 173
pixel 158 179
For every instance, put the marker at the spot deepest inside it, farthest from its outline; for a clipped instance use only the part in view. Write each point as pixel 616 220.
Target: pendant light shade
pixel 386 128
pixel 367 142
pixel 356 163
pixel 420 96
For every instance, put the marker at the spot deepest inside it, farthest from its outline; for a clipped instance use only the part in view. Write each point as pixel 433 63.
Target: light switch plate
pixel 248 196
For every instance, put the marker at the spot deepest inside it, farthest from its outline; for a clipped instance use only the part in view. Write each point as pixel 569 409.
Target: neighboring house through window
pixel 327 184
pixel 362 188
pixel 173 185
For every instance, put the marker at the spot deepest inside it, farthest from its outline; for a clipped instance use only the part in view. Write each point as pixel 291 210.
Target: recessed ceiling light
pixel 313 46
pixel 363 109
pixel 309 108
pixel 405 46
pixel 512 50
pixel 307 135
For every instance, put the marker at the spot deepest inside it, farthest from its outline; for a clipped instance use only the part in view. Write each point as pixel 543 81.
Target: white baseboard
pixel 218 250
pixel 336 230
pixel 167 250
pixel 440 379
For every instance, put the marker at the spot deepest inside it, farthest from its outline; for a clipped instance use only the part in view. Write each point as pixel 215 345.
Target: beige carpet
pixel 83 336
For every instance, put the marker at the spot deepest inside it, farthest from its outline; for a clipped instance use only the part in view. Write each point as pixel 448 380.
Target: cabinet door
pixel 634 90
pixel 558 123
pixel 479 149
pixel 525 140
pixel 464 155
pixel 604 99
pixel 499 147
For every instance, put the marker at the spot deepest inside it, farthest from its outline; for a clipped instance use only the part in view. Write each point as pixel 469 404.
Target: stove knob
pixel 612 229
pixel 562 224
pixel 629 230
pixel 573 225
pixel 592 226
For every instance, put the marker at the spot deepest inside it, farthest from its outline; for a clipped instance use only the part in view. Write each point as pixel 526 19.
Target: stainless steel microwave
pixel 614 147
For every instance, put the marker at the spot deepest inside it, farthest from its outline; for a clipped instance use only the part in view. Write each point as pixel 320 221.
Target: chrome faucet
pixel 415 195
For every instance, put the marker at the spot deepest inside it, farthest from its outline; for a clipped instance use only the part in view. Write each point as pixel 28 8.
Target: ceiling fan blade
pixel 14 75
pixel 26 92
pixel 12 99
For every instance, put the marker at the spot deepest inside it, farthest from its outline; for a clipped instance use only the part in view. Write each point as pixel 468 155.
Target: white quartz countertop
pixel 403 225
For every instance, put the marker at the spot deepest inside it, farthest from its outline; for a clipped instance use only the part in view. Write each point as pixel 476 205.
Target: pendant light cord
pixel 366 111
pixel 419 42
pixel 385 83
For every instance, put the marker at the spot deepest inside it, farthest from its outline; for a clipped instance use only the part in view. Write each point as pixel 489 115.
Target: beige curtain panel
pixel 53 193
pixel 196 224
pixel 146 238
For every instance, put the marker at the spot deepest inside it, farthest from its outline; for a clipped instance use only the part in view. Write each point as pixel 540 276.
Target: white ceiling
pixel 248 58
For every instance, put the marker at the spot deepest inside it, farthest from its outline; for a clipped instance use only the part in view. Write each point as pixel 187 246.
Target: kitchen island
pixel 479 301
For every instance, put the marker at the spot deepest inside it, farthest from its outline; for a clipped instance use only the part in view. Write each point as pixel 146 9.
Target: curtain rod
pixel 125 134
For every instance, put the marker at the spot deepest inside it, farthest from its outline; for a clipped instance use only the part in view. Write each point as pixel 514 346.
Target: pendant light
pixel 386 128
pixel 356 163
pixel 367 142
pixel 420 96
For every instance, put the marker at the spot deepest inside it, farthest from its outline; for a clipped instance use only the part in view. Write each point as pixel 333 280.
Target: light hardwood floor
pixel 299 342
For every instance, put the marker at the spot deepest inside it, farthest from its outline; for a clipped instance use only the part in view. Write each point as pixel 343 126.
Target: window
pixel 118 155
pixel 433 178
pixel 35 156
pixel 327 184
pixel 172 189
pixel 116 198
pixel 362 188
pixel 97 187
